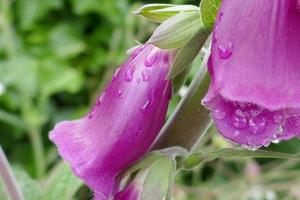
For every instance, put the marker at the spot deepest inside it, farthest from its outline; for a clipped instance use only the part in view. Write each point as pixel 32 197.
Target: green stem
pixel 9 39
pixel 38 152
pixel 8 31
pixel 190 120
pixel 9 179
pixel 198 158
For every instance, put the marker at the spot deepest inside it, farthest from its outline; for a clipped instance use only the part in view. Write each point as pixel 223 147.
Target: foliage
pixel 57 55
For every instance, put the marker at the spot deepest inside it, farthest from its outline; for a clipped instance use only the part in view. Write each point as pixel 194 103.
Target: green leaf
pixel 151 158
pixel 112 10
pixel 61 184
pixel 30 11
pixel 198 158
pixel 30 187
pixel 154 180
pixel 158 179
pixel 177 9
pixel 12 119
pixel 208 11
pixel 148 11
pixel 65 41
pixel 187 54
pixel 12 74
pixel 161 12
pixel 56 76
pixel 176 31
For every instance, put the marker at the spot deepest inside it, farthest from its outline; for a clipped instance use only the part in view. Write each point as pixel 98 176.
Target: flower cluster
pixel 254 95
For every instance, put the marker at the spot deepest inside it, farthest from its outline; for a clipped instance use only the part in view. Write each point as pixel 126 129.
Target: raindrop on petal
pixel 251 148
pixel 120 93
pixel 225 52
pixel 278 118
pixel 257 125
pixel 129 74
pixel 218 114
pixel 116 72
pixel 150 59
pixel 240 122
pixel 145 75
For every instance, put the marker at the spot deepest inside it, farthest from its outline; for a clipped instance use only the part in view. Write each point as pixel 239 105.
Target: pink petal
pixel 255 66
pixel 122 124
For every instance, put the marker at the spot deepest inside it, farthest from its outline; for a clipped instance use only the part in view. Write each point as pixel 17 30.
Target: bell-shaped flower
pixel 254 94
pixel 122 124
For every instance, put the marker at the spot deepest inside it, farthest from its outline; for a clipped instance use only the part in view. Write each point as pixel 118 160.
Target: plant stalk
pixel 9 179
pixel 190 119
pixel 38 153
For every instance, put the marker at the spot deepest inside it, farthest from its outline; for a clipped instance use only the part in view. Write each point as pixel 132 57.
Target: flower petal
pixel 254 93
pixel 122 124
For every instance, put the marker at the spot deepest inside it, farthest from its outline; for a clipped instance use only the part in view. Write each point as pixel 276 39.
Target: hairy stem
pixel 8 178
pixel 190 120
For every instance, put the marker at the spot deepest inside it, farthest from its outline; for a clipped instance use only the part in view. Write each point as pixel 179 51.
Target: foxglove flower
pixel 254 94
pixel 123 123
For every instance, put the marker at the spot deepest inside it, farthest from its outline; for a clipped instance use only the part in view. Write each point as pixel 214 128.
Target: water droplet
pixel 215 34
pixel 255 112
pixel 257 125
pixel 278 118
pixel 146 75
pixel 218 114
pixel 240 122
pixel 101 98
pixel 275 141
pixel 225 52
pixel 215 37
pixel 242 105
pixel 146 105
pixel 240 113
pixel 267 144
pixel 150 59
pixel 117 72
pixel 93 111
pixel 236 133
pixel 120 93
pixel 279 130
pixel 221 15
pixel 129 74
pixel 251 148
pixel 138 50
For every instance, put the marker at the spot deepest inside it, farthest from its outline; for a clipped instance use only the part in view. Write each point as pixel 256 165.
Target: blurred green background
pixel 55 57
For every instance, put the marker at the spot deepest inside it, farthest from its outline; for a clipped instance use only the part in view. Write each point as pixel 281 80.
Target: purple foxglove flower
pixel 123 123
pixel 254 94
pixel 131 192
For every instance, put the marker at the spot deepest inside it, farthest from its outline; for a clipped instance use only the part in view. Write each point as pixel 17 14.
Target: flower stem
pixel 9 179
pixel 38 152
pixel 8 31
pixel 190 120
